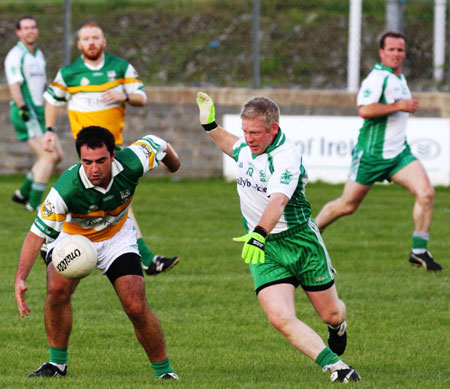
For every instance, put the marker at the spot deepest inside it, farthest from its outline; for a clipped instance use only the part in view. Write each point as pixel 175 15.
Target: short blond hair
pixel 261 107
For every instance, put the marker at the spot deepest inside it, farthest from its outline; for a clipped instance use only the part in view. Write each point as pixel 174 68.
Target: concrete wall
pixel 172 114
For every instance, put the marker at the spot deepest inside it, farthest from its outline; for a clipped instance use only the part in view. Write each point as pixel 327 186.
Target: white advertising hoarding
pixel 327 141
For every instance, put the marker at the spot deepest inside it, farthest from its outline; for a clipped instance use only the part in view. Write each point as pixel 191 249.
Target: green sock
pixel 162 367
pixel 58 355
pixel 146 255
pixel 37 191
pixel 327 357
pixel 25 188
pixel 420 241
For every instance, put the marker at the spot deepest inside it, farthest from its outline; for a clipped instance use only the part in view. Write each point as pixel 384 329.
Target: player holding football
pixel 283 246
pixel 97 87
pixel 382 152
pixel 25 73
pixel 92 199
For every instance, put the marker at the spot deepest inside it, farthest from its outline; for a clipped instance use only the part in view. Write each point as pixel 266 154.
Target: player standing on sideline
pixel 382 152
pixel 25 74
pixel 283 246
pixel 97 87
pixel 92 199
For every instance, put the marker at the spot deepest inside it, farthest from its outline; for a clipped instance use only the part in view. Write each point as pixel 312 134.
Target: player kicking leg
pixel 332 311
pixel 414 178
pixel 278 303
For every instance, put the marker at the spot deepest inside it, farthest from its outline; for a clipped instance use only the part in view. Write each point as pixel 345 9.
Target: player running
pixel 382 152
pixel 283 246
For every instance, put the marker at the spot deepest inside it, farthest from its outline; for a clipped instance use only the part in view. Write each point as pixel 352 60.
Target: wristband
pixel 210 126
pixel 261 231
pixel 50 129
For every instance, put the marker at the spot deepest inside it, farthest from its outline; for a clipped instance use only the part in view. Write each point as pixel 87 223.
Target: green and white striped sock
pixel 37 191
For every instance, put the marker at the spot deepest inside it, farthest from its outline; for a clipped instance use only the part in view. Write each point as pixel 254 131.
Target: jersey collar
pixel 116 168
pixel 379 66
pixel 98 67
pixel 24 47
pixel 277 142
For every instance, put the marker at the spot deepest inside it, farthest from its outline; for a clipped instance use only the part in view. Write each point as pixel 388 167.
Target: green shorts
pixel 33 128
pixel 297 256
pixel 367 169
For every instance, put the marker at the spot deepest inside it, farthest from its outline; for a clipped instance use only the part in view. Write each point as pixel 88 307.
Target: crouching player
pixel 92 199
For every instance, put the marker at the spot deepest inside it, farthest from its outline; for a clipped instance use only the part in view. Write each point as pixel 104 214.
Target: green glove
pixel 207 111
pixel 253 247
pixel 24 113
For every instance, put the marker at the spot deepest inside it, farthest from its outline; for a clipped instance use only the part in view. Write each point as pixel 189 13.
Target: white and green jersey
pixel 278 170
pixel 76 206
pixel 22 66
pixel 81 86
pixel 384 137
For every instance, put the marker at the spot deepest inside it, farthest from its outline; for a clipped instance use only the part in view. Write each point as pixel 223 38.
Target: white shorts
pixel 124 241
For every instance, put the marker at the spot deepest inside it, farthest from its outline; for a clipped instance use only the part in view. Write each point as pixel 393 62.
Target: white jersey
pixel 278 170
pixel 385 136
pixel 28 69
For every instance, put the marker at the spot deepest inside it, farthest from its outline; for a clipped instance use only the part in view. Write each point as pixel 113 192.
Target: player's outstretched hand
pixel 20 288
pixel 253 249
pixel 206 107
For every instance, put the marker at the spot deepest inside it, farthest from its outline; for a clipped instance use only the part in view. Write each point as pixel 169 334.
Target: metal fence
pixel 302 43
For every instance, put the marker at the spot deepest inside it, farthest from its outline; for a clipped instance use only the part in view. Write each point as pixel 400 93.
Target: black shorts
pixel 126 264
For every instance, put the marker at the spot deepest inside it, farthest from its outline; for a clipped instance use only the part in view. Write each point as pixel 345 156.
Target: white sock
pixel 60 366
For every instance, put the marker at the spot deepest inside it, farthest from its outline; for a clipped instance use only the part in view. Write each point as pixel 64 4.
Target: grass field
pixel 216 333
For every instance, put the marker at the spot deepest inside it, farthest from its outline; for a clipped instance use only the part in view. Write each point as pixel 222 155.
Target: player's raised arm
pixel 171 161
pixel 220 136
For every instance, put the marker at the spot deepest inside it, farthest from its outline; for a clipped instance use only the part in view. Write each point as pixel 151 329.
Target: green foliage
pixel 216 333
pixel 209 42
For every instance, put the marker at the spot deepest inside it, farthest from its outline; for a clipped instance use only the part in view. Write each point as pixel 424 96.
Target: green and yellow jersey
pixel 82 86
pixel 76 206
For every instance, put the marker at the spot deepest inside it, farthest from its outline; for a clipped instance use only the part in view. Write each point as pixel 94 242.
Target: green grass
pixel 216 333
